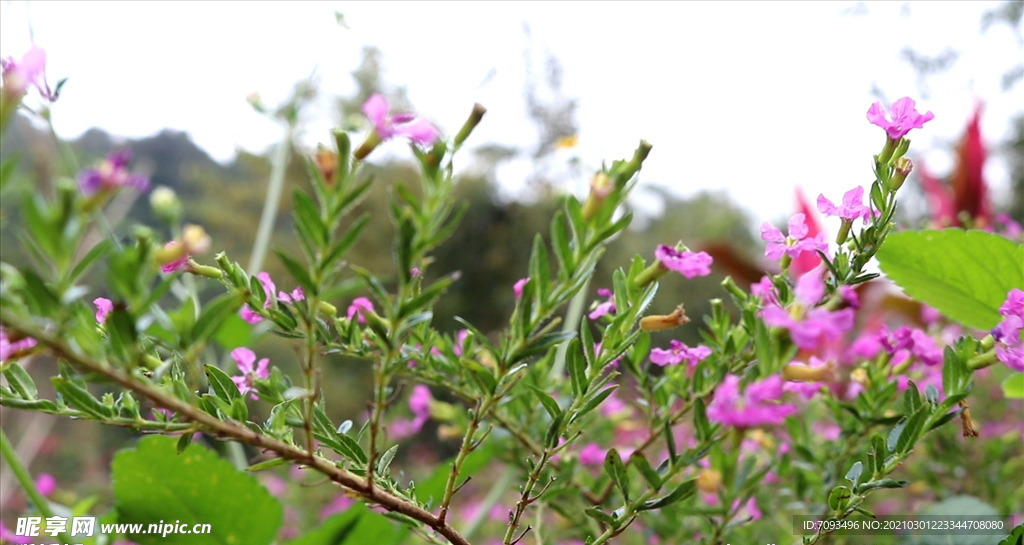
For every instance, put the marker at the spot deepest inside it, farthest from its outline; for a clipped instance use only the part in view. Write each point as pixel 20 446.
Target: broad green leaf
pixel 1013 386
pixel 152 482
pixel 964 274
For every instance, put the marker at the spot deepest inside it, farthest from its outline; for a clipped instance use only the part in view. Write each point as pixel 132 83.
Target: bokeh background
pixel 747 105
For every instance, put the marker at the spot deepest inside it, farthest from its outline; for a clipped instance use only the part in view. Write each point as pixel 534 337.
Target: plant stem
pixel 270 205
pixel 234 431
pixel 26 482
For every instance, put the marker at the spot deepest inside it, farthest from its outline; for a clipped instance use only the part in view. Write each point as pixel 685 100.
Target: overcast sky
pixel 754 98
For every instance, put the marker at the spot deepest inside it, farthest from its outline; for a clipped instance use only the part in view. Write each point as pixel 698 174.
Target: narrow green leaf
pixel 549 403
pixel 680 493
pixel 80 398
pixel 895 434
pixel 577 368
pixel 221 384
pixel 215 314
pixel 21 382
pixel 615 469
pixel 652 477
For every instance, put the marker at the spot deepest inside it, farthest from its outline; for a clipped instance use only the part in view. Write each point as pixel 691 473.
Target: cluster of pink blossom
pixel 269 289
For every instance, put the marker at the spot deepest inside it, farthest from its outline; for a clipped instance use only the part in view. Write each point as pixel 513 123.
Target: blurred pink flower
pixel 755 406
pixel 388 125
pixel 902 117
pixel 103 309
pixel 358 307
pixel 591 455
pixel 607 307
pixel 517 288
pixel 679 352
pixel 1009 345
pixel 251 370
pixel 13 349
pixel 798 241
pixel 340 503
pixel 30 70
pixel 7 536
pixel 46 484
pixel 686 263
pixel 269 289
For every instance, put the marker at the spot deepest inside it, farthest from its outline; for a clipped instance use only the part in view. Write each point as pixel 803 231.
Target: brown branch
pixel 238 432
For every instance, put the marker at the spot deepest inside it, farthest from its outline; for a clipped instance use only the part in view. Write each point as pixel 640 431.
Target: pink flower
pixel 292 297
pixel 46 484
pixel 796 243
pixel 103 309
pixel 851 209
pixel 7 536
pixel 904 117
pixel 764 290
pixel 591 455
pixel 753 407
pixel 14 349
pixel 679 352
pixel 112 173
pixel 517 288
pixel 179 264
pixel 607 307
pixel 419 404
pixel 245 359
pixel 340 503
pixel 247 312
pixel 809 326
pixel 388 125
pixel 358 307
pixel 30 70
pixel 686 263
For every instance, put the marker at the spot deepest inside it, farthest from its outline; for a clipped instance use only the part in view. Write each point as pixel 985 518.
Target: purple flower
pixel 30 70
pixel 607 307
pixel 686 263
pixel 925 348
pixel 112 173
pixel 851 209
pixel 251 370
pixel 1014 304
pixel 808 325
pixel 1009 345
pixel 679 352
pixel 903 116
pixel 796 243
pixel 103 309
pixel 388 125
pixel 12 349
pixel 358 307
pixel 755 406
pixel 517 288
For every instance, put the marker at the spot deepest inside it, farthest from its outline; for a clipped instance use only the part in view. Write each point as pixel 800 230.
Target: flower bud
pixel 600 187
pixel 326 308
pixel 902 167
pixel 709 480
pixel 327 164
pixel 656 322
pixel 805 373
pixel 467 128
pixel 165 204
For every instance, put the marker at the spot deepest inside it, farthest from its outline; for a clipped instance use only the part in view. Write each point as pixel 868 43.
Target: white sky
pixel 751 97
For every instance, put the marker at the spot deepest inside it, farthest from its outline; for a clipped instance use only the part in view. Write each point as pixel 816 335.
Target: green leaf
pixel 222 384
pixel 1013 386
pixel 854 474
pixel 680 493
pixel 577 368
pixel 215 314
pixel 80 398
pixel 20 381
pixel 646 471
pixel 152 482
pixel 964 274
pixel 895 434
pixel 614 467
pixel 549 403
